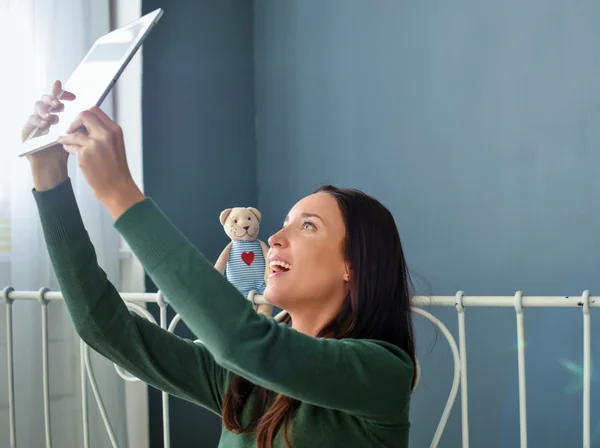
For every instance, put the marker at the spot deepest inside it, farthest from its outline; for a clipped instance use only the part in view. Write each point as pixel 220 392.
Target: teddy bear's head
pixel 241 223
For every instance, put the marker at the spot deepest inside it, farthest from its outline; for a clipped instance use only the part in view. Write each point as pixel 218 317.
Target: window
pixel 5 80
pixel 4 222
pixel 4 212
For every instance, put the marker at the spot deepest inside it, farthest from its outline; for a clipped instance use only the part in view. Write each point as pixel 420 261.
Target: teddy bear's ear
pixel 224 214
pixel 256 212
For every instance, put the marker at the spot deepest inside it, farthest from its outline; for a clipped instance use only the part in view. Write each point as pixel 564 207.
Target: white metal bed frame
pixel 459 353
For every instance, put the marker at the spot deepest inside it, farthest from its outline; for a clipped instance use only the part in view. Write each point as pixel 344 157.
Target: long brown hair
pixel 377 307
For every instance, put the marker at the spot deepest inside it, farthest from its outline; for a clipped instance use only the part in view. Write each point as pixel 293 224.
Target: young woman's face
pixel 306 257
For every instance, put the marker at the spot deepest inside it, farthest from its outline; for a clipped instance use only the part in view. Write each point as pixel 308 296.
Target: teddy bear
pixel 243 261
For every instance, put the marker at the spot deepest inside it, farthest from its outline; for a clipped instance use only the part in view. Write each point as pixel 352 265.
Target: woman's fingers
pixel 71 149
pixel 68 96
pixel 74 143
pixel 90 121
pixel 50 100
pixel 76 139
pixel 54 105
pixel 57 88
pixel 105 119
pixel 41 109
pixel 48 104
pixel 36 121
pixel 53 120
pixel 44 111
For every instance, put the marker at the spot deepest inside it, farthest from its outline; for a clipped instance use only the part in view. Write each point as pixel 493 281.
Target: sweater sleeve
pixel 366 378
pixel 168 362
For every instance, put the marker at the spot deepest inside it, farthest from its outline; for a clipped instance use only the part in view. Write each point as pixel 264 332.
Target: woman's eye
pixel 308 226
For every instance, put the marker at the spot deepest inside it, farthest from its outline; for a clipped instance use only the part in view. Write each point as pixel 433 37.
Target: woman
pixel 338 373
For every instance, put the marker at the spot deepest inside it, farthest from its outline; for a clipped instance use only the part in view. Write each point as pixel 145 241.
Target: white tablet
pixel 94 77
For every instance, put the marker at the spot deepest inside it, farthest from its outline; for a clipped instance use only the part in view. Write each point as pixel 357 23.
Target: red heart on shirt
pixel 248 257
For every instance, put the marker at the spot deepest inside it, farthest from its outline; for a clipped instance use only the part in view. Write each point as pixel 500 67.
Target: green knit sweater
pixel 353 393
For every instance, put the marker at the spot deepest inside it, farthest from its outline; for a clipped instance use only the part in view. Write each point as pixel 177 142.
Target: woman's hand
pixel 100 152
pixel 48 167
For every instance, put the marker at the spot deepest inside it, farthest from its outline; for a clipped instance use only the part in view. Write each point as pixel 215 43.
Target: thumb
pixel 72 149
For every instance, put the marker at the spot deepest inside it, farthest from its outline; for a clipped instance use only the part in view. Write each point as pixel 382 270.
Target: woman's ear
pixel 347 272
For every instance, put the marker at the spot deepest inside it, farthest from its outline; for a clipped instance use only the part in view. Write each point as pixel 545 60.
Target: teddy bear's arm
pixel 223 258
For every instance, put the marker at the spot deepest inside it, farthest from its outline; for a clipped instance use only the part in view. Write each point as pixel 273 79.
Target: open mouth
pixel 279 267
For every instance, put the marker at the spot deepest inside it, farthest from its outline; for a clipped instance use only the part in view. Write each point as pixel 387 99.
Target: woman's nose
pixel 276 240
pixel 272 241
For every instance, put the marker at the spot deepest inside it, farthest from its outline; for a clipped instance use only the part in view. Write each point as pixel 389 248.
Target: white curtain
pixel 40 41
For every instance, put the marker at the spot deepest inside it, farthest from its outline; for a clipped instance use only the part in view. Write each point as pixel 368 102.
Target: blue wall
pixel 199 147
pixel 478 125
